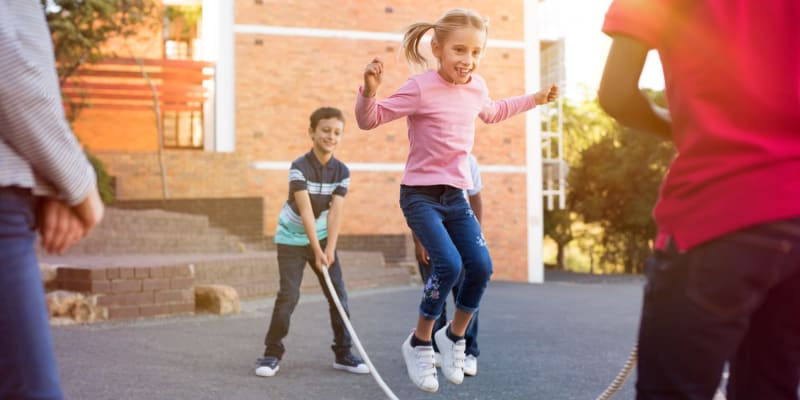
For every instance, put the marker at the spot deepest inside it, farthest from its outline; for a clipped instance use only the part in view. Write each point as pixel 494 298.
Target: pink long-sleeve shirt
pixel 441 124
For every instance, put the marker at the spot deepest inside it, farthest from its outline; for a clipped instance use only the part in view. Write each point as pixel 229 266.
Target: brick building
pixel 274 62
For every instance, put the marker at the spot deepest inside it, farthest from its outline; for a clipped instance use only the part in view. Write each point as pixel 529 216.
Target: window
pixel 181 26
pixel 183 129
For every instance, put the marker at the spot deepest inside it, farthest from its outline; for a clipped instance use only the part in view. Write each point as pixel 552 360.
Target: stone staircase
pixel 155 232
pixel 143 263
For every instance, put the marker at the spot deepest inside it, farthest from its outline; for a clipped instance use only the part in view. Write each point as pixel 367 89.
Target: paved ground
pixel 565 339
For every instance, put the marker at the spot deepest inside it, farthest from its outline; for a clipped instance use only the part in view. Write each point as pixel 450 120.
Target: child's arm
pixel 474 195
pixel 476 203
pixel 619 92
pixel 419 252
pixel 496 111
pixel 372 77
pixel 307 215
pixel 546 95
pixel 334 226
pixel 370 113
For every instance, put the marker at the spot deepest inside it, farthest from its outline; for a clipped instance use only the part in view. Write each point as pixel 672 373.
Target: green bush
pixel 105 183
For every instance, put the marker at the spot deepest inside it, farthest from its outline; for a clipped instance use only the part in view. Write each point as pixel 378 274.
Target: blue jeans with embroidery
pixel 444 223
pixel 734 299
pixel 27 360
pixel 471 334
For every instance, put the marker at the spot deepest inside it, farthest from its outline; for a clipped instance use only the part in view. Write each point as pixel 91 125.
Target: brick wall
pixel 190 174
pixel 242 217
pixel 273 104
pixel 134 292
pixel 505 16
pixel 395 248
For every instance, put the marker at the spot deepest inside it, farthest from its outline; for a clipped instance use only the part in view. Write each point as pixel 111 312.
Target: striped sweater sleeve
pixel 37 144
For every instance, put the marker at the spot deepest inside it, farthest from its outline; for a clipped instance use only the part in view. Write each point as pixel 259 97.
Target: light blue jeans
pixel 27 360
pixel 446 226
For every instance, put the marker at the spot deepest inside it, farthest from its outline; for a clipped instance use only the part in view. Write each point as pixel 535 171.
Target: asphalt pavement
pixel 565 339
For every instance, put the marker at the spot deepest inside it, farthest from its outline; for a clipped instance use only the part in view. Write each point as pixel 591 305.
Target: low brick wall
pixel 395 248
pixel 136 291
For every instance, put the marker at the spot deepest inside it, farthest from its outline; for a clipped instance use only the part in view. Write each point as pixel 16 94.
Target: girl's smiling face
pixel 459 54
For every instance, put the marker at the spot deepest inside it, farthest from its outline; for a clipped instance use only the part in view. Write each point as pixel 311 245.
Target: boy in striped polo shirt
pixel 308 228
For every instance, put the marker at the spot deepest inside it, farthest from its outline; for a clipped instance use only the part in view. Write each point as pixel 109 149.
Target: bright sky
pixel 580 23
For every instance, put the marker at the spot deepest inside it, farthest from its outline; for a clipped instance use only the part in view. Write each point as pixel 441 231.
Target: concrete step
pixel 121 242
pixel 147 221
pixel 155 231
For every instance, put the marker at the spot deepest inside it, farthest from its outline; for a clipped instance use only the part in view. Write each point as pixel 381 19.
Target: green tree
pixel 615 184
pixel 558 226
pixel 80 30
pixel 583 123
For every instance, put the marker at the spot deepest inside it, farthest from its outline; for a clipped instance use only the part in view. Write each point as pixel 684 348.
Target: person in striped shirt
pixel 46 184
pixel 308 228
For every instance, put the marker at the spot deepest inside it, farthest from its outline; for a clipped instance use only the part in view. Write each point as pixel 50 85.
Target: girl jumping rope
pixel 441 106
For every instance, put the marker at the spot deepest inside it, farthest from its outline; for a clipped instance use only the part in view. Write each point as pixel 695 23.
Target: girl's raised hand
pixel 372 77
pixel 546 95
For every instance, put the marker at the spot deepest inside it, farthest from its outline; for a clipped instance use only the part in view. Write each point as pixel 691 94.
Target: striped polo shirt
pixel 38 150
pixel 321 182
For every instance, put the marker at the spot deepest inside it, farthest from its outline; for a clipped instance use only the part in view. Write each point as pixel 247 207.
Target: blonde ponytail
pixel 411 39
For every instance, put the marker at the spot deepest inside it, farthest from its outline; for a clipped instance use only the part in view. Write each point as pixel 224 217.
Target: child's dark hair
pixel 456 18
pixel 325 113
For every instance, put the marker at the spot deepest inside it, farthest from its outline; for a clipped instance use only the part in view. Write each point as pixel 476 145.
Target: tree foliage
pixel 583 123
pixel 615 184
pixel 81 28
pixel 558 227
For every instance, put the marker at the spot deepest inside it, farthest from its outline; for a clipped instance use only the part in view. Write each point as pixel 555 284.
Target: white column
pixel 218 47
pixel 533 149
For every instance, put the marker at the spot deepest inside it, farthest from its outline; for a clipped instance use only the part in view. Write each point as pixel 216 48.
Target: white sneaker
pixel 438 358
pixel 420 365
pixel 452 355
pixel 471 365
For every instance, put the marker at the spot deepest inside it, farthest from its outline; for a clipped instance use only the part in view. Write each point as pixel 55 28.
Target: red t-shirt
pixel 732 73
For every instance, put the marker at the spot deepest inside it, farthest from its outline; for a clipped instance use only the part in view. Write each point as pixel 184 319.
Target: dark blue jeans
pixel 27 361
pixel 471 334
pixel 292 261
pixel 735 299
pixel 446 226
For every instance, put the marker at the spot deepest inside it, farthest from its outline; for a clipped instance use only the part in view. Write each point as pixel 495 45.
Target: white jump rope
pixel 612 388
pixel 352 331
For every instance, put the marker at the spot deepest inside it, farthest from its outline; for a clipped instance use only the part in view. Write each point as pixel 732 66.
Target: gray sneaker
pixel 351 363
pixel 267 366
